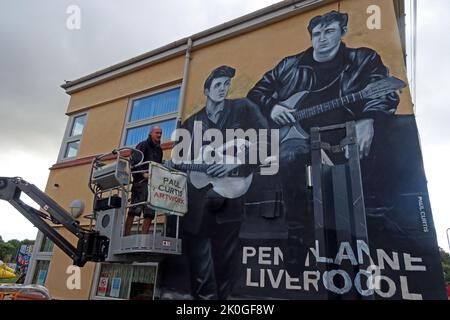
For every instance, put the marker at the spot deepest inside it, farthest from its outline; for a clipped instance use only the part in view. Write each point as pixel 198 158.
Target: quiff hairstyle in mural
pixel 328 18
pixel 222 71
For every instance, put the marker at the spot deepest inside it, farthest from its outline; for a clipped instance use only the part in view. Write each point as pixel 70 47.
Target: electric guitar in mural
pixel 235 184
pixel 297 103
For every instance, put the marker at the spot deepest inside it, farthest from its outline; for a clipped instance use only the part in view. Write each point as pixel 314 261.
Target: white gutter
pixel 187 61
pixel 255 20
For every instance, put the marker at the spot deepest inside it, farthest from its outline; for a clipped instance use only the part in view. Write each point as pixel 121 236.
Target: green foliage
pixel 15 243
pixel 8 250
pixel 445 259
pixel 10 280
pixel 27 242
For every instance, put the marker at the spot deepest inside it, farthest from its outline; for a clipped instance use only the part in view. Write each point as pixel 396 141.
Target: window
pixel 46 245
pixel 157 109
pixel 40 260
pixel 72 138
pixel 78 125
pixel 133 282
pixel 40 272
pixel 72 149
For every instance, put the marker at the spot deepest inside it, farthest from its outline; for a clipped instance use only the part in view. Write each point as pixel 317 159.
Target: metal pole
pixel 154 229
pixel 448 237
pixel 184 82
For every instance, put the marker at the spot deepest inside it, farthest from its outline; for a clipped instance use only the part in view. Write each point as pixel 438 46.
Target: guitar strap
pixel 332 83
pixel 338 77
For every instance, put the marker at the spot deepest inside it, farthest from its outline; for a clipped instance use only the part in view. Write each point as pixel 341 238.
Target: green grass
pixel 11 280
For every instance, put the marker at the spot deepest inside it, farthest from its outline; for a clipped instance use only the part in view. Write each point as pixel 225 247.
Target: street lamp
pixel 448 237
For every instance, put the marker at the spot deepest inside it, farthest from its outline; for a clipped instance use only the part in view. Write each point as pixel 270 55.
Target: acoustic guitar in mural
pixel 235 184
pixel 301 113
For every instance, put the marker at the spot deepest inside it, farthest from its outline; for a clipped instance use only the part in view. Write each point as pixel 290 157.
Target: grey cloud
pixel 40 53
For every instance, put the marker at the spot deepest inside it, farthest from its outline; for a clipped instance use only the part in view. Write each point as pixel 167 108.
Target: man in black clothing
pixel 211 226
pixel 139 190
pixel 327 70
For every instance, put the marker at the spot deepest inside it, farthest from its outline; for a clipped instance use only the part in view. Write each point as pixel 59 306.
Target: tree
pixel 9 249
pixel 445 259
pixel 15 243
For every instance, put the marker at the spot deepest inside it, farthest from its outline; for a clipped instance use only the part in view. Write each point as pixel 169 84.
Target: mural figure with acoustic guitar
pixel 211 226
pixel 326 84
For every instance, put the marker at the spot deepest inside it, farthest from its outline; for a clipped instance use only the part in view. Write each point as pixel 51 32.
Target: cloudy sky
pixel 38 52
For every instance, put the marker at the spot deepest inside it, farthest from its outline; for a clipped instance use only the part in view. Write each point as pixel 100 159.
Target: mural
pixel 251 233
pixel 23 258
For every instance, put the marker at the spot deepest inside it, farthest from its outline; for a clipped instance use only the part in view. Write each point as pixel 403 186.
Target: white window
pixel 126 282
pixel 40 272
pixel 159 108
pixel 72 137
pixel 40 260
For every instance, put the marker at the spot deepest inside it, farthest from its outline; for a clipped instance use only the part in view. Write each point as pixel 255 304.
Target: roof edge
pixel 246 23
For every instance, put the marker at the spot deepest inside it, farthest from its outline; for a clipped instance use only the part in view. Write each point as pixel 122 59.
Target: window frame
pixel 96 278
pixel 37 275
pixel 147 121
pixel 36 256
pixel 70 139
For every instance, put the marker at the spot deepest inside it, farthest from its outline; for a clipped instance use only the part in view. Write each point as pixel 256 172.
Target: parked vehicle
pixel 23 292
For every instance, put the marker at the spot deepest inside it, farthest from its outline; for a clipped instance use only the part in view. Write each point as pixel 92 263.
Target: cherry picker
pixel 109 182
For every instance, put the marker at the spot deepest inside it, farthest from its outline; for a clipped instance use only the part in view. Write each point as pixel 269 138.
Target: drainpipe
pixel 187 61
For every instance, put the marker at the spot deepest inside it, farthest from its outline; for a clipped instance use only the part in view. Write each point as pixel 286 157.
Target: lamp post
pixel 448 237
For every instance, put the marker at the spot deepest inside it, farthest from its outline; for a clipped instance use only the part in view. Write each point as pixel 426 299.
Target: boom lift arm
pixel 91 245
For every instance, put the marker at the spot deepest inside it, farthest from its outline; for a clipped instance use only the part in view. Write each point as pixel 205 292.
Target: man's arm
pixel 136 158
pixel 376 110
pixel 364 136
pixel 266 92
pixel 372 69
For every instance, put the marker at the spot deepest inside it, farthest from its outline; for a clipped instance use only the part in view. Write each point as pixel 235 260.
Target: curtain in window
pixel 111 271
pixel 46 245
pixel 40 272
pixel 155 105
pixel 144 274
pixel 128 274
pixel 138 134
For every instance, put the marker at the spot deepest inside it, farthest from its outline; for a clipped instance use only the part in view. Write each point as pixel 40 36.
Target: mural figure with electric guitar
pixel 328 83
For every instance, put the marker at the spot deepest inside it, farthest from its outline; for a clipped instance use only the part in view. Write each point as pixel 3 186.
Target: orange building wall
pixel 386 41
pixel 104 123
pixel 57 274
pixel 255 53
pixel 152 77
pixel 251 54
